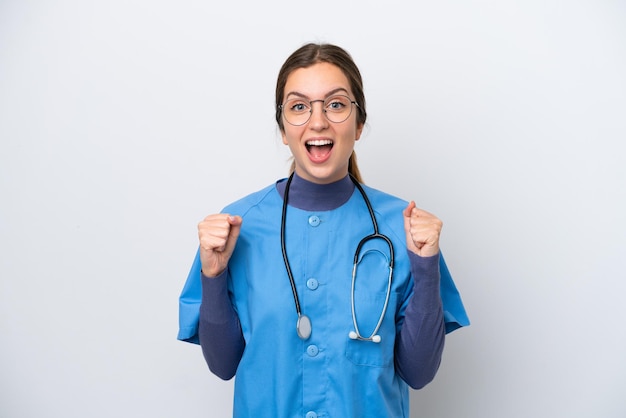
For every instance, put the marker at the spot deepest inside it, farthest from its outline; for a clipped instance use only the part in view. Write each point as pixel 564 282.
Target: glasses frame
pixel 352 102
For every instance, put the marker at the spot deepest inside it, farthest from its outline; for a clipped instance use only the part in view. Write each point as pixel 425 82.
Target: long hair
pixel 311 54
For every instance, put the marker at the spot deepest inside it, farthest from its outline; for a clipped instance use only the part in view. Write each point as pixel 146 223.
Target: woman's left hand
pixel 422 231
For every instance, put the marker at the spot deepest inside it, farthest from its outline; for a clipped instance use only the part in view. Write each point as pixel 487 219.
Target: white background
pixel 123 123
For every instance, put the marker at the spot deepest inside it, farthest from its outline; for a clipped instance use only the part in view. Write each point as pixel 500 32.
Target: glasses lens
pixel 297 111
pixel 336 108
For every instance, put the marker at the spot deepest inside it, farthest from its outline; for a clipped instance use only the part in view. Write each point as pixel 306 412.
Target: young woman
pixel 325 297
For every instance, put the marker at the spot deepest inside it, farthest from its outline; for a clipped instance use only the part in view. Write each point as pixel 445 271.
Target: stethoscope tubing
pixel 283 247
pixel 356 334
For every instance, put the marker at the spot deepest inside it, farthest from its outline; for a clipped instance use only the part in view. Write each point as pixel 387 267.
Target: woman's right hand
pixel 218 235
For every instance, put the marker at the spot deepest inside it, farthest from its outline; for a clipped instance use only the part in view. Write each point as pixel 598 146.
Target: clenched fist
pixel 422 231
pixel 218 235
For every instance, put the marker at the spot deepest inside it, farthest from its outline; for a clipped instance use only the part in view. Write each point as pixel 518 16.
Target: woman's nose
pixel 318 116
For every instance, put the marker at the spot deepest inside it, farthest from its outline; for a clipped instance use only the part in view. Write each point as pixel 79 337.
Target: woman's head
pixel 312 73
pixel 310 54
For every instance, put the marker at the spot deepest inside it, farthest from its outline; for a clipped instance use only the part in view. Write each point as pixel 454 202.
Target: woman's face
pixel 321 149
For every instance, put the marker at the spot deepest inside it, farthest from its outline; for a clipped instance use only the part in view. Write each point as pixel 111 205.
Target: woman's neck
pixel 310 196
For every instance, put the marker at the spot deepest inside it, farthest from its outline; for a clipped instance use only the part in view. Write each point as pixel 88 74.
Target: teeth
pixel 319 142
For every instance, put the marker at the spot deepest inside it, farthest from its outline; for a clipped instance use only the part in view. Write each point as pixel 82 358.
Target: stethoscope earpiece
pixel 354 336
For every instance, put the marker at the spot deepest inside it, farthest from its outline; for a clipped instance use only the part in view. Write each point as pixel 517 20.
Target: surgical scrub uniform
pixel 329 374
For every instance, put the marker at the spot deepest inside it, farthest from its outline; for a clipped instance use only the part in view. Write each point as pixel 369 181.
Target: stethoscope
pixel 303 325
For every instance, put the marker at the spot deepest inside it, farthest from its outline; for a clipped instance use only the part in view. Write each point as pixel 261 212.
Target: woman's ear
pixel 359 130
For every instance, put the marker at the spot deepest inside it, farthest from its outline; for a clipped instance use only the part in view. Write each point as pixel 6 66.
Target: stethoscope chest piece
pixel 303 327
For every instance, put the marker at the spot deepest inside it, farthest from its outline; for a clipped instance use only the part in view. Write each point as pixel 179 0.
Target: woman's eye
pixel 336 104
pixel 298 107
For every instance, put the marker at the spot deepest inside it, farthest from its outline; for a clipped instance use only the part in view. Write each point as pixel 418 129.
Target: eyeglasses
pixel 336 108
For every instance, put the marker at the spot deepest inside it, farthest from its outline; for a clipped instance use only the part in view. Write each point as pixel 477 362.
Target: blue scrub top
pixel 328 375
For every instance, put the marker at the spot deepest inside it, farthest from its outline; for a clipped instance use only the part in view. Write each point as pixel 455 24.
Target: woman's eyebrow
pixel 304 96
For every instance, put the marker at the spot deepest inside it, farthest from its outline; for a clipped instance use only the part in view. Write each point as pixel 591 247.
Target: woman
pixel 274 295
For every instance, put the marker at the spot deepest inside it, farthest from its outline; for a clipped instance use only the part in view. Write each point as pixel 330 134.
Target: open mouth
pixel 319 149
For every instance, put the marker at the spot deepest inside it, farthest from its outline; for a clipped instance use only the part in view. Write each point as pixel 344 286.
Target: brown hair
pixel 310 54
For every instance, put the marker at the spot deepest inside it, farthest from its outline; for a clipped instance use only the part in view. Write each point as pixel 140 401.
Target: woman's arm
pixel 419 345
pixel 219 329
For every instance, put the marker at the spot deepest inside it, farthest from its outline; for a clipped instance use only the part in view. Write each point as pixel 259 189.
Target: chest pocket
pixel 370 292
